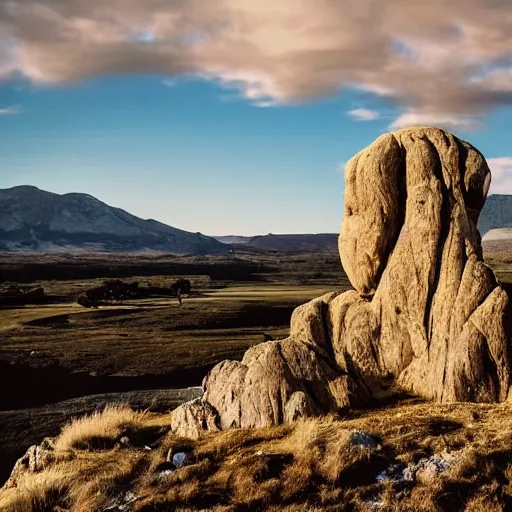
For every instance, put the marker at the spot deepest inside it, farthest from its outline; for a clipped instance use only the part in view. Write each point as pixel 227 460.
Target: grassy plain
pixel 137 351
pixel 55 351
pixel 147 338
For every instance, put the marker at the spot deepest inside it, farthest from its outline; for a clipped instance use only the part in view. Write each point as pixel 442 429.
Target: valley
pixel 61 360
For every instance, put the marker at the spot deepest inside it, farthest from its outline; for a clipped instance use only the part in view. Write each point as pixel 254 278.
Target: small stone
pixel 425 471
pixel 364 440
pixel 165 473
pixel 194 418
pixel 396 473
pixel 428 470
pixel 299 406
pixel 179 459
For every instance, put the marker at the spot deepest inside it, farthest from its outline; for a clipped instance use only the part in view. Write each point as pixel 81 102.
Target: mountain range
pixel 33 219
pixel 496 218
pixel 495 223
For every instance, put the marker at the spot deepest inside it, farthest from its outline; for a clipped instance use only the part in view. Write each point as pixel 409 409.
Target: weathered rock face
pixel 426 316
pixel 409 241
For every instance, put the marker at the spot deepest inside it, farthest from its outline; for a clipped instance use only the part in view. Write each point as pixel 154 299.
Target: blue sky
pixel 192 155
pixel 215 144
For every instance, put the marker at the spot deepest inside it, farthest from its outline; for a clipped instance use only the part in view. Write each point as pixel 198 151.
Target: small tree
pixel 179 287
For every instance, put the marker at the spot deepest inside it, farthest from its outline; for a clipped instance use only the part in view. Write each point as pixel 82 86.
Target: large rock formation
pixel 426 317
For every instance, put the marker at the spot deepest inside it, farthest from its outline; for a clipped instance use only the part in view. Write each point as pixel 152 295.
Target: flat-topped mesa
pixel 426 317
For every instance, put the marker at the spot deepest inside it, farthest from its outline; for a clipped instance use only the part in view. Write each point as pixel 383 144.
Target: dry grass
pixel 310 466
pixel 101 429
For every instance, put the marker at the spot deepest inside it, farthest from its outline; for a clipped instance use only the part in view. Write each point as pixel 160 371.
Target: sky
pixel 237 116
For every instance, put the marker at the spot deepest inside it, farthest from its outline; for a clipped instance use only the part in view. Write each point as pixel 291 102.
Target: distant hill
pixel 233 239
pixel 296 243
pixel 36 220
pixel 496 213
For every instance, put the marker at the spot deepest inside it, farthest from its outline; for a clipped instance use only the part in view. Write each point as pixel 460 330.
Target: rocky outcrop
pixel 36 459
pixel 194 417
pixel 426 317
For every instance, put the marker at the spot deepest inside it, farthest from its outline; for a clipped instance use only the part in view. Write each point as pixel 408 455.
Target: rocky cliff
pixel 33 219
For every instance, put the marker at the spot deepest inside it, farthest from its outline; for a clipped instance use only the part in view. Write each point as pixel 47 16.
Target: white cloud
pixel 501 172
pixel 437 60
pixel 10 111
pixel 363 114
pixel 418 118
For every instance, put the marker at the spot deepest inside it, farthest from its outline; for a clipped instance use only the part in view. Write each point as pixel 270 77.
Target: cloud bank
pixel 445 63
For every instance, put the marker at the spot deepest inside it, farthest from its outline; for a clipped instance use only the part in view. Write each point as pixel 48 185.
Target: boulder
pixel 36 459
pixel 426 315
pixel 194 418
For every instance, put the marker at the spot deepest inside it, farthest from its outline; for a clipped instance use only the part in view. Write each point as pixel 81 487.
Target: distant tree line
pixel 14 290
pixel 115 290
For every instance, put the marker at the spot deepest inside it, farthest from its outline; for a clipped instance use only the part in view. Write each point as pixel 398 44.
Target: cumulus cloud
pixel 363 114
pixel 442 61
pixel 501 170
pixel 10 111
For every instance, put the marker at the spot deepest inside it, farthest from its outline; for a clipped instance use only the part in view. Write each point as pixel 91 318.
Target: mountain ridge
pixel 496 213
pixel 37 220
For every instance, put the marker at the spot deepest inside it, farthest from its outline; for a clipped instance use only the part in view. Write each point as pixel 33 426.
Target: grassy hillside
pixel 405 457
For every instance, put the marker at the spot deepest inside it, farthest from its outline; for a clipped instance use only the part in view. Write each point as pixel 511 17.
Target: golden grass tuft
pixel 312 466
pixel 101 429
pixel 36 493
pixel 84 485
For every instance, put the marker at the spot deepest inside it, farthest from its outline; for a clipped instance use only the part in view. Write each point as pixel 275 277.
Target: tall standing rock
pixel 409 243
pixel 426 316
